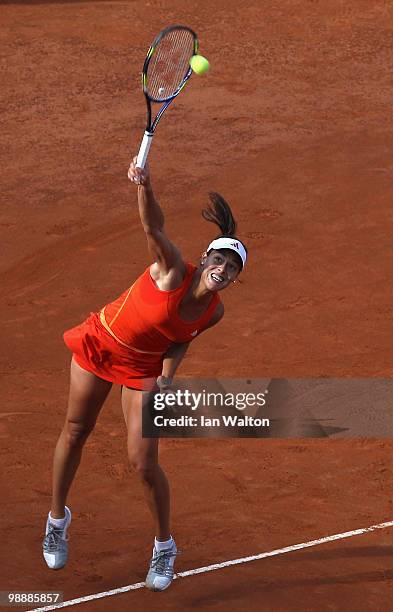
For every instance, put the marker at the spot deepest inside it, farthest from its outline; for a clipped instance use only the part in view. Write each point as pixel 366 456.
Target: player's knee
pixel 76 433
pixel 145 468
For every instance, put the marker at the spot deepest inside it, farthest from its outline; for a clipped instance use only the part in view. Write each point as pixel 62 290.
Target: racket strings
pixel 167 72
pixel 169 64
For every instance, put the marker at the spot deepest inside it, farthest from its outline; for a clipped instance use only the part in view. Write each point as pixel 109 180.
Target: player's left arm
pixel 171 362
pixel 176 352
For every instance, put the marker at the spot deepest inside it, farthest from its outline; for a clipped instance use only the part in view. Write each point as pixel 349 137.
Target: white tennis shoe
pixel 161 571
pixel 55 544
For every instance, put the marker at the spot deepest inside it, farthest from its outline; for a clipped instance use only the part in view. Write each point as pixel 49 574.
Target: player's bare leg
pixel 143 457
pixel 86 398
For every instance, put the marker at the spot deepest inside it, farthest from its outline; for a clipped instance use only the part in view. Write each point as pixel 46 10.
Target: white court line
pixel 216 566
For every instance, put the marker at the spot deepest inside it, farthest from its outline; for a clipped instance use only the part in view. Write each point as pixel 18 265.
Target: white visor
pixel 229 243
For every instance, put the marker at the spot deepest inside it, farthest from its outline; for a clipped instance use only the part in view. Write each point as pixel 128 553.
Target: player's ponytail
pixel 220 213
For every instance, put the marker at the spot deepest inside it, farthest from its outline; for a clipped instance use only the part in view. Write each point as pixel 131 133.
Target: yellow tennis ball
pixel 199 64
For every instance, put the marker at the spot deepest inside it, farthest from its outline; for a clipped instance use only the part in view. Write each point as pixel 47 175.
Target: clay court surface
pixel 293 125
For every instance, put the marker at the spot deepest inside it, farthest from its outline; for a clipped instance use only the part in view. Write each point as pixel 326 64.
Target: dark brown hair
pixel 219 212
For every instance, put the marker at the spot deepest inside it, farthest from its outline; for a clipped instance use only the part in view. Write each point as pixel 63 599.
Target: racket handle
pixel 144 149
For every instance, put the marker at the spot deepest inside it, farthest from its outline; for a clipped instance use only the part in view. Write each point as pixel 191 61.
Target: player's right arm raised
pixel 167 258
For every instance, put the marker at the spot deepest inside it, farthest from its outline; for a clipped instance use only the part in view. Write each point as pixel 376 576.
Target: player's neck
pixel 198 292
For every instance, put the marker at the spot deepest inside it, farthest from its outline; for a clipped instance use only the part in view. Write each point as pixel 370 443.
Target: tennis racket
pixel 165 72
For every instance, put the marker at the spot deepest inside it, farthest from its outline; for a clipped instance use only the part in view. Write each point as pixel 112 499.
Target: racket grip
pixel 144 149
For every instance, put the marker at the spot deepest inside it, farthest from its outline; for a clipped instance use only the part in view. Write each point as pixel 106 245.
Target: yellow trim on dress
pixel 108 329
pixel 121 307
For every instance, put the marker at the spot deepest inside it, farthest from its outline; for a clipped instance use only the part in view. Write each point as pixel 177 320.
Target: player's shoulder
pixel 170 279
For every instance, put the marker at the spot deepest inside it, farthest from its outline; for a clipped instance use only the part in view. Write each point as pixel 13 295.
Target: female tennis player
pixel 138 342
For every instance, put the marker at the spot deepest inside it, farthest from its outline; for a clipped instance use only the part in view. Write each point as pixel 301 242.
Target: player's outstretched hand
pixel 138 176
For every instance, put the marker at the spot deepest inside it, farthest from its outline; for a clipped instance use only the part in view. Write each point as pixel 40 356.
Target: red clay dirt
pixel 293 126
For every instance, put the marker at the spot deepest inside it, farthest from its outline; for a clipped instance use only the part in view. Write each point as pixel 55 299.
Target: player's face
pixel 220 269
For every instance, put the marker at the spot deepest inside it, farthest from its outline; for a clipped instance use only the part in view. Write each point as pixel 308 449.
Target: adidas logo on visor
pixel 227 243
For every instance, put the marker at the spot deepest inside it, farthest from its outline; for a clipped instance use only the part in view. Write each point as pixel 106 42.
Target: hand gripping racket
pixel 165 72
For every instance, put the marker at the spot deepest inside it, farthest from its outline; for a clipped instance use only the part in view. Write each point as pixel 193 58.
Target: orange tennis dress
pixel 125 341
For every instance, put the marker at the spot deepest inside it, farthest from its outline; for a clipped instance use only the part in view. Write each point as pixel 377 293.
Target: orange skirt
pixel 96 351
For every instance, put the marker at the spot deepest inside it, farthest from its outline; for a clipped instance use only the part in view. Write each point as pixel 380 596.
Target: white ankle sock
pixel 159 546
pixel 60 523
